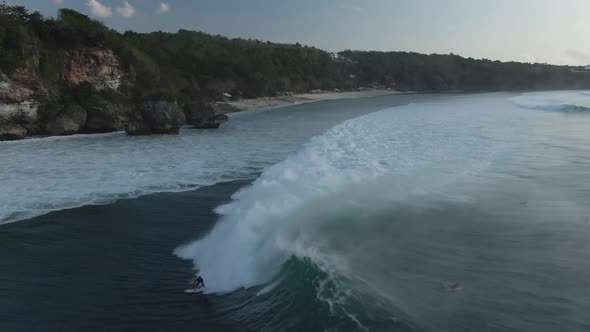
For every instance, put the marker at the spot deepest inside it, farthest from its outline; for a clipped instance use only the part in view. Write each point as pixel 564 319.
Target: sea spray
pixel 374 160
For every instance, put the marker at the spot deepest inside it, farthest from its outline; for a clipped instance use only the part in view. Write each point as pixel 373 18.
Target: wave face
pixel 322 204
pixel 564 101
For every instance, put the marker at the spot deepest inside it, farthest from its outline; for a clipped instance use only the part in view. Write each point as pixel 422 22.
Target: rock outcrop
pixel 12 132
pixel 28 107
pixel 17 105
pixel 215 121
pixel 69 121
pixel 156 117
pixel 26 104
pixel 103 117
pixel 202 115
pixel 99 67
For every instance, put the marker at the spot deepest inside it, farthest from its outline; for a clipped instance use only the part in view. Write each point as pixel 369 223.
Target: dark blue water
pixel 110 267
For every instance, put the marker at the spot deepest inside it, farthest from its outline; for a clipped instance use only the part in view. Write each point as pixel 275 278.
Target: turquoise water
pixel 345 215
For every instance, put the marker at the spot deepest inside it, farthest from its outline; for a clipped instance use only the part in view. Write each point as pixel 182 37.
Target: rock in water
pixel 136 128
pixel 217 120
pixel 62 125
pixel 160 117
pixel 201 115
pixel 69 121
pixel 104 117
pixel 12 132
pixel 164 117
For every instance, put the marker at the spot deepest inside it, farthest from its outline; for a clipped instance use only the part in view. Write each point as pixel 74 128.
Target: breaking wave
pixel 315 205
pixel 564 101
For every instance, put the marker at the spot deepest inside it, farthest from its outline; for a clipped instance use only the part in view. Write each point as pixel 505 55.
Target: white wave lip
pixel 402 151
pixel 554 101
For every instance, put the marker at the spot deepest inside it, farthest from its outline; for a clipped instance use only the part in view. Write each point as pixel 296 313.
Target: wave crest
pixel 296 206
pixel 563 101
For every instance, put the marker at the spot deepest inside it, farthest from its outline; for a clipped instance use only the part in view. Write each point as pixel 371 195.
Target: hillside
pixel 71 74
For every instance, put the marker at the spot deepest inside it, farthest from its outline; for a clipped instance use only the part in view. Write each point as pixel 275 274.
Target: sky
pixel 551 31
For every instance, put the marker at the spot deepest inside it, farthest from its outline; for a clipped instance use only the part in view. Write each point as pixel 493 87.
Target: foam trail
pixel 395 153
pixel 46 174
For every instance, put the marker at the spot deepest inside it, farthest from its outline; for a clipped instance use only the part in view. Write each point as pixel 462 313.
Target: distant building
pixel 587 68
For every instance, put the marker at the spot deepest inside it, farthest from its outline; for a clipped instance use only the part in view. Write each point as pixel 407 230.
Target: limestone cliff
pixel 23 94
pixel 99 67
pixel 18 109
pixel 84 96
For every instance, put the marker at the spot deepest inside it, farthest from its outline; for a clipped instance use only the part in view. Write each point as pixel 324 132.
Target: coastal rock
pixel 138 127
pixel 17 105
pixel 99 67
pixel 69 121
pixel 160 117
pixel 62 125
pixel 202 115
pixel 77 114
pixel 12 132
pixel 104 117
pixel 216 121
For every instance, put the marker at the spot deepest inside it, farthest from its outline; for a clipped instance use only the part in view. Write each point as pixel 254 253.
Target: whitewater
pixel 40 175
pixel 327 204
pixel 375 160
pixel 409 148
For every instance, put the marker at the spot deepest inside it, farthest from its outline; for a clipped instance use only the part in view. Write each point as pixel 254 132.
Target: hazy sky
pixel 554 31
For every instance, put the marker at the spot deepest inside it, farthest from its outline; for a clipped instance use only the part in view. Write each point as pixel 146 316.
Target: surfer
pixel 199 283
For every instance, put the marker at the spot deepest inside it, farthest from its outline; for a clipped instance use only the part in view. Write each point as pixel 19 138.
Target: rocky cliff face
pixel 201 115
pixel 29 107
pixel 26 106
pixel 160 117
pixel 18 108
pixel 99 67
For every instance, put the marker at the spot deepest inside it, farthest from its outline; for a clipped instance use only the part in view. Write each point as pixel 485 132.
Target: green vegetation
pixel 420 72
pixel 195 62
pixel 187 65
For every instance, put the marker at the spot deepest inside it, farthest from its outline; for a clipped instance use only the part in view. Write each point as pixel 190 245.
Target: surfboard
pixel 194 291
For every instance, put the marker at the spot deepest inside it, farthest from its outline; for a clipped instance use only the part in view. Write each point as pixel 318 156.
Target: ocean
pixel 392 213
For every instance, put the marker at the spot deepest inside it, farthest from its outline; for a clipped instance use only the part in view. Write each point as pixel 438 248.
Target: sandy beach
pixel 269 102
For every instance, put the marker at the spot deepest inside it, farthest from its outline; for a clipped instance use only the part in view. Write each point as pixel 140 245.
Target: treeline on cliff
pixel 420 72
pixel 167 65
pixel 186 64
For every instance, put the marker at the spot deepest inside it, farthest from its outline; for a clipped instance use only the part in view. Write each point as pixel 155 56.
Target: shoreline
pixel 254 104
pixel 242 105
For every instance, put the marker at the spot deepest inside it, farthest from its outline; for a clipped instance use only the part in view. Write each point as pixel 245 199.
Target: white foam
pixel 554 100
pixel 374 159
pixel 45 174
